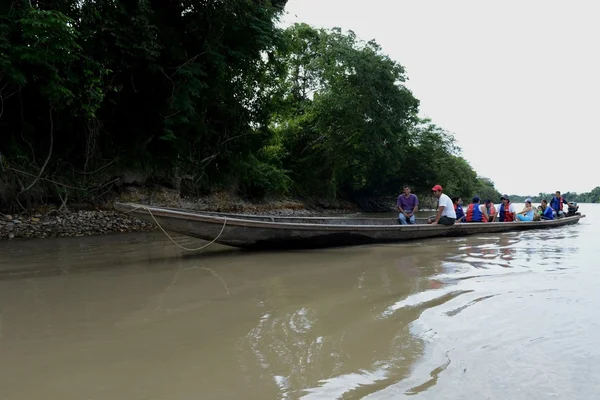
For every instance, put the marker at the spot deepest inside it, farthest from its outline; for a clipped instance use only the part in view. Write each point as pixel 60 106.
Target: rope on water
pixel 169 236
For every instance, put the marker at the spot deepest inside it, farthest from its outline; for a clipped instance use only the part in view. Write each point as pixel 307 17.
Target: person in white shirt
pixel 446 214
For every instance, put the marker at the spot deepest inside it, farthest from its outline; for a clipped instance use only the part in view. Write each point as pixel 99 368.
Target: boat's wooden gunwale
pixel 220 220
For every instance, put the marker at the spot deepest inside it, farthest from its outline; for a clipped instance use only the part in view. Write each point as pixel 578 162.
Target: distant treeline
pixel 587 197
pixel 208 95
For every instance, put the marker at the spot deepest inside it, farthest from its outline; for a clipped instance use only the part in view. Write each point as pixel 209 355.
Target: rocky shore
pixel 49 222
pixel 80 223
pixel 87 220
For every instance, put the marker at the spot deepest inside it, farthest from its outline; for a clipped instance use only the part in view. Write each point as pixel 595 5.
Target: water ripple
pixel 527 319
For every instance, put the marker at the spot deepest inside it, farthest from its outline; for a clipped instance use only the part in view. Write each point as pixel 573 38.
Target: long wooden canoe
pixel 260 231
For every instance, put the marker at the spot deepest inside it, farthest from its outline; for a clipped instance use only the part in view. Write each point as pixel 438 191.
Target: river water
pixel 131 317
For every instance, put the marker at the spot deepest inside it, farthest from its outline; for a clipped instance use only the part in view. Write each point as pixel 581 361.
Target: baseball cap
pixel 528 200
pixel 476 199
pixel 488 201
pixel 505 197
pixel 437 187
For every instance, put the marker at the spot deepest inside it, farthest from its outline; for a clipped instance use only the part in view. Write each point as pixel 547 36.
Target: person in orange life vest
pixel 460 214
pixel 477 211
pixel 491 210
pixel 506 211
pixel 557 204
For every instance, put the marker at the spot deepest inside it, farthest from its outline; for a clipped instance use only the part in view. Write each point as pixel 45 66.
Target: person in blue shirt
pixel 460 214
pixel 548 212
pixel 557 203
pixel 526 213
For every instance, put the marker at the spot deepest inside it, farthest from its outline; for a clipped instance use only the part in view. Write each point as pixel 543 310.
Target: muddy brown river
pixel 132 317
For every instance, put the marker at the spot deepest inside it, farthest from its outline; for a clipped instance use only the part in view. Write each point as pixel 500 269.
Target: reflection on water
pixel 130 317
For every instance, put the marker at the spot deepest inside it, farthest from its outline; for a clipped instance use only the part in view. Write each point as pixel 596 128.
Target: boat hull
pixel 261 232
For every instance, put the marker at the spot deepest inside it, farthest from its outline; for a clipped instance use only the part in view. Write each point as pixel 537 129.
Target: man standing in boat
pixel 407 204
pixel 445 214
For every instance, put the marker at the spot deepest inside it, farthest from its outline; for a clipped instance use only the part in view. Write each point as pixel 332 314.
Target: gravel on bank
pixel 96 222
pixel 49 222
pixel 79 223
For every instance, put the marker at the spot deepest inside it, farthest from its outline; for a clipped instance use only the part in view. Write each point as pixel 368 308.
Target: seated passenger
pixel 538 213
pixel 491 210
pixel 557 204
pixel 547 213
pixel 573 209
pixel 445 212
pixel 527 213
pixel 477 211
pixel 460 214
pixel 407 204
pixel 506 211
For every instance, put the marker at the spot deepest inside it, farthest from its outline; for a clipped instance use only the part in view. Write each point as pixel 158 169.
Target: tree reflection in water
pixel 342 337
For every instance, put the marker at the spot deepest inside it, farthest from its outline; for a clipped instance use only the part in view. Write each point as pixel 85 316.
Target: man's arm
pixel 399 206
pixel 439 214
pixel 485 213
pixel 415 208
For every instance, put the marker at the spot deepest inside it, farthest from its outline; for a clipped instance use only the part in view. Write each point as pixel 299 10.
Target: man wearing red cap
pixel 445 215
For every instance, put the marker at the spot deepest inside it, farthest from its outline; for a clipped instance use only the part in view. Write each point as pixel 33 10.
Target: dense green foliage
pixel 204 95
pixel 587 197
pixel 486 190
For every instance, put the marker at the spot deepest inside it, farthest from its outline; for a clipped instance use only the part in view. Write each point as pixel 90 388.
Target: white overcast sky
pixel 515 81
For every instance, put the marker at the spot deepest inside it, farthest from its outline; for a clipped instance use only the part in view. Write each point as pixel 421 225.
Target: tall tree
pixel 346 111
pixel 203 95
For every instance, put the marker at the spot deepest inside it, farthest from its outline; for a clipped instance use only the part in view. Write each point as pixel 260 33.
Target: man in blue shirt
pixel 548 212
pixel 557 204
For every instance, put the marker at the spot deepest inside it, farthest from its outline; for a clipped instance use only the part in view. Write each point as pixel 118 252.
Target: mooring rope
pixel 169 236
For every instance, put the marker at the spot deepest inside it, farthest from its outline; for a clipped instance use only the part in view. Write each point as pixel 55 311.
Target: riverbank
pixel 86 220
pixel 98 219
